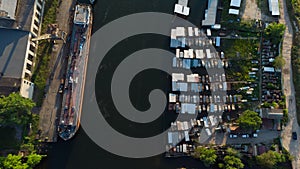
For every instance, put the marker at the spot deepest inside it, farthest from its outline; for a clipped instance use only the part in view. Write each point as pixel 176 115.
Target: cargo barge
pixel 76 72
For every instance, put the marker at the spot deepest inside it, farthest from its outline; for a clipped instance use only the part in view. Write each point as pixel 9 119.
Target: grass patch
pixel 264 6
pixel 8 140
pixel 234 22
pixel 42 71
pixel 226 17
pixel 240 52
pixel 51 7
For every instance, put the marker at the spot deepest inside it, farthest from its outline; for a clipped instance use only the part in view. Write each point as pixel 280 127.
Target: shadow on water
pixel 81 152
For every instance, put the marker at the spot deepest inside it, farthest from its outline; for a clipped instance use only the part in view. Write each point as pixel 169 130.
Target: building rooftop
pixel 81 14
pixel 8 8
pixel 9 85
pixel 211 13
pixel 22 17
pixel 235 3
pixel 234 11
pixel 13 47
pixel 272 113
pixel 182 8
pixel 274 7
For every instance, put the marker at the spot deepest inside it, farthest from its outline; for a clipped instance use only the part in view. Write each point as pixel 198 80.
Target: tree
pixel 249 120
pixel 207 155
pixel 14 162
pixel 285 118
pixel 270 159
pixel 275 105
pixel 15 109
pixel 27 147
pixel 275 32
pixel 33 160
pixel 1 161
pixel 279 62
pixel 231 162
pixel 233 152
pixel 18 162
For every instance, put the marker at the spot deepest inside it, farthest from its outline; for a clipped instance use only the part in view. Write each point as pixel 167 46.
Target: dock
pixel 182 8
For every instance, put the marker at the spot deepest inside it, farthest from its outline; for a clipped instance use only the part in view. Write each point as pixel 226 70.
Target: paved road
pixel 291 145
pixel 52 103
pixel 264 136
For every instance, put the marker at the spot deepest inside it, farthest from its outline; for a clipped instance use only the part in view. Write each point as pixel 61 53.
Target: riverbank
pixel 56 68
pixel 295 16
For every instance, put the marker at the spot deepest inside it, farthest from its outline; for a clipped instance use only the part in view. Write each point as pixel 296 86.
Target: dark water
pixel 81 152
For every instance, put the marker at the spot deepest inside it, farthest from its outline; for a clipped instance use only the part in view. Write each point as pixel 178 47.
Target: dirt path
pixel 291 145
pixel 250 11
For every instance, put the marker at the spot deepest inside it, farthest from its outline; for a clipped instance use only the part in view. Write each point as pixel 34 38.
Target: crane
pixel 53 33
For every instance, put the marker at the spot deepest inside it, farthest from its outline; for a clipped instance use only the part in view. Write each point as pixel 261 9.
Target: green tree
pixel 249 120
pixel 275 32
pixel 275 105
pixel 279 62
pixel 207 155
pixel 1 161
pixel 231 162
pixel 18 162
pixel 285 118
pixel 14 162
pixel 15 109
pixel 270 159
pixel 33 160
pixel 233 152
pixel 28 147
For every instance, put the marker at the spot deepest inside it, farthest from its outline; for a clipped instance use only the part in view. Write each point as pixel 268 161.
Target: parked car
pixel 232 136
pixel 61 86
pixel 254 61
pixel 294 135
pixel 245 135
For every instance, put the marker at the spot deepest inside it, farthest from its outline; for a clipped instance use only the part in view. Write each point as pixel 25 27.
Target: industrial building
pixel 17 52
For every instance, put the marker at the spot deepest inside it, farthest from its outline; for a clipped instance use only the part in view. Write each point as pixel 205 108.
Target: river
pixel 81 152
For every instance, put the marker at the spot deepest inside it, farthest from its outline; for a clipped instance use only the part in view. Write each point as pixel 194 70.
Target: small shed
pixel 234 11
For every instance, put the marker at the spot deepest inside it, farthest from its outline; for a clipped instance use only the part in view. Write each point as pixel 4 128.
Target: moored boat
pixel 76 72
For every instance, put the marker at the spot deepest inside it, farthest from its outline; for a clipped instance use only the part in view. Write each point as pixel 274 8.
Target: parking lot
pixel 264 136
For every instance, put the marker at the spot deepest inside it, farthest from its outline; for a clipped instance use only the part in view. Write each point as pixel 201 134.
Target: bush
pixel 285 117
